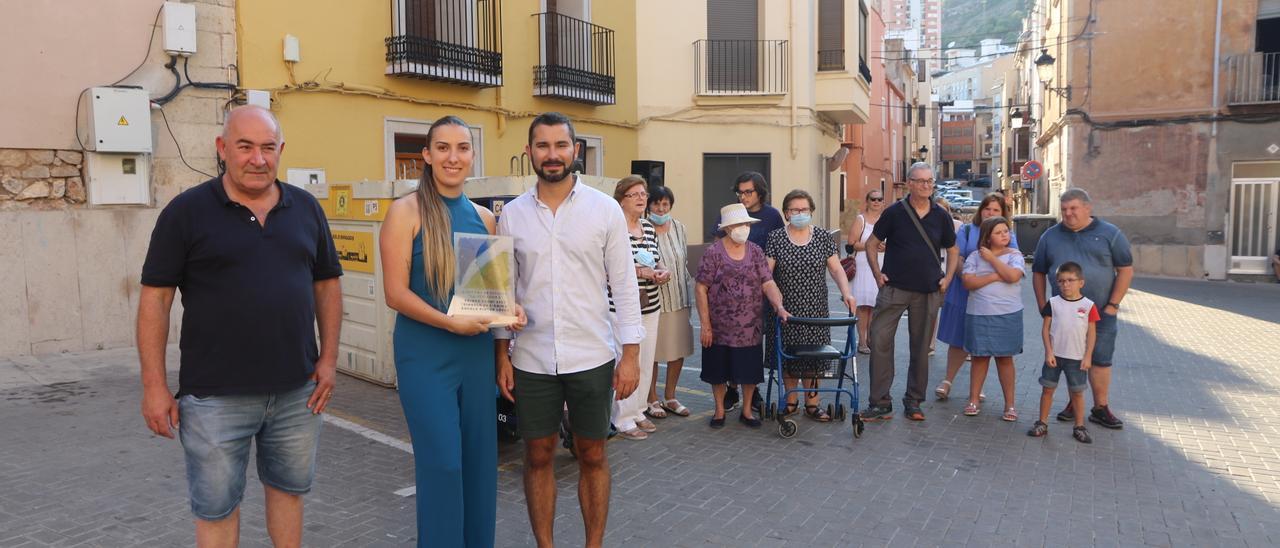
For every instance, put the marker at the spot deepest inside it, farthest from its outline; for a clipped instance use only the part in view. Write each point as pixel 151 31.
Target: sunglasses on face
pixel 880 199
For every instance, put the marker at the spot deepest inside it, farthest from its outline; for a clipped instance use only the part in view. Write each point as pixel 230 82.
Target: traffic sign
pixel 1032 170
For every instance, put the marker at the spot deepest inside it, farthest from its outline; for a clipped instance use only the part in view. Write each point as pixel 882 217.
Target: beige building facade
pixel 731 86
pixel 72 260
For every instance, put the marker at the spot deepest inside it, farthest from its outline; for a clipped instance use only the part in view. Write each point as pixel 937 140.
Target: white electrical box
pixel 119 120
pixel 179 28
pixel 303 176
pixel 259 98
pixel 291 49
pixel 118 178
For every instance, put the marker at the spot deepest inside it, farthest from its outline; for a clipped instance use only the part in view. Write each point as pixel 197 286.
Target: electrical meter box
pixel 114 179
pixel 119 120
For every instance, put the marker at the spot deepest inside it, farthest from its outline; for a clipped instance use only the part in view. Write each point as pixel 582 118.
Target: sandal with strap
pixel 791 409
pixel 656 410
pixel 816 413
pixel 943 391
pixel 1038 430
pixel 1010 415
pixel 970 409
pixel 674 407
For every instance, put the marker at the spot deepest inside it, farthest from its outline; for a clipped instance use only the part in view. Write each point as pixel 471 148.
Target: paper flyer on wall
pixel 484 284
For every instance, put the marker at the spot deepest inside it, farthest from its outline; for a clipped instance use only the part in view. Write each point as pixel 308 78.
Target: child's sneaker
pixel 1038 430
pixel 1102 415
pixel 1081 434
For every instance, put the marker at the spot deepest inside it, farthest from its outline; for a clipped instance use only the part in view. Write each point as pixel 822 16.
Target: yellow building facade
pixel 370 77
pixel 762 85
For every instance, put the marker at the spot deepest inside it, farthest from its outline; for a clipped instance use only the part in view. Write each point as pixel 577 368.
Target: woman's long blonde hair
pixel 436 225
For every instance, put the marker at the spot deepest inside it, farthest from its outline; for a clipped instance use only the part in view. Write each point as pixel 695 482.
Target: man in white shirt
pixel 571 243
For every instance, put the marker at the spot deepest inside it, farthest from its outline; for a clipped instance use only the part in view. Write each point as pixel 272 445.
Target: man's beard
pixel 564 173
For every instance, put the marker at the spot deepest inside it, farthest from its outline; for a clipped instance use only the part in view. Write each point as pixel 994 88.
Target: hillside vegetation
pixel 967 22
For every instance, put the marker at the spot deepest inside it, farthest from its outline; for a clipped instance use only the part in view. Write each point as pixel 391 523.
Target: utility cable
pixel 178 146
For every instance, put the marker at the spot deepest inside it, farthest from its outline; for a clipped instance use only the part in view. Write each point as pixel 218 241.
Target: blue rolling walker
pixel 826 354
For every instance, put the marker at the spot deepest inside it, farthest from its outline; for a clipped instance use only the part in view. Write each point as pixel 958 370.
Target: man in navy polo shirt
pixel 257 269
pixel 1103 252
pixel 913 281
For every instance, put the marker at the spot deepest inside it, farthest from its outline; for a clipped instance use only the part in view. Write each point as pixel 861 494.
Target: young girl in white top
pixel 993 315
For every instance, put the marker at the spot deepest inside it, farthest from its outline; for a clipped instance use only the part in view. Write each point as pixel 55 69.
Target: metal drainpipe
pixel 791 40
pixel 1214 174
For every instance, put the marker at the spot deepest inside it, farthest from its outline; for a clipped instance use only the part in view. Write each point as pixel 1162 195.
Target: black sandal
pixel 791 409
pixel 816 413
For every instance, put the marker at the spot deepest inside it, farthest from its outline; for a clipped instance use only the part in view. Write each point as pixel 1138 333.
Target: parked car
pixel 981 182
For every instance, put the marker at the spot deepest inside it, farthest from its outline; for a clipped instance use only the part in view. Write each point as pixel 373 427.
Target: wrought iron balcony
pixel 458 41
pixel 830 59
pixel 1253 79
pixel 575 60
pixel 742 67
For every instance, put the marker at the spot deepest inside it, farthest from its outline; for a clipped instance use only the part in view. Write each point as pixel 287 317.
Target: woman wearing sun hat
pixel 733 281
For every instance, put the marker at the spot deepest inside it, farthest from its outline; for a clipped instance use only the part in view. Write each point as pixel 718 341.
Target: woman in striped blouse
pixel 675 333
pixel 632 194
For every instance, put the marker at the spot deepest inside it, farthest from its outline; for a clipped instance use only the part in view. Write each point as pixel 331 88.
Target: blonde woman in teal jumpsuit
pixel 444 364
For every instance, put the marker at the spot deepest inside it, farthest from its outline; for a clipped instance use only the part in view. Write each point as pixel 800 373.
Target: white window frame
pixel 408 126
pixel 596 143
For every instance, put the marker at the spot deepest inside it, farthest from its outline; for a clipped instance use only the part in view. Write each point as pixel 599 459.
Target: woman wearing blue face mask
pixel 632 195
pixel 675 333
pixel 801 255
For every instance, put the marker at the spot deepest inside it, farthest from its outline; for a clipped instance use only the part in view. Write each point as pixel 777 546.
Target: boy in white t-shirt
pixel 1070 329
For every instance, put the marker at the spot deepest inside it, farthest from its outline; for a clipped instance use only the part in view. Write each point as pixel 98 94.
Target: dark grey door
pixel 732 47
pixel 718 173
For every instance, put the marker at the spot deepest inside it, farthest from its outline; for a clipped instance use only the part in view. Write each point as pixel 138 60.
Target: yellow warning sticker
pixel 123 121
pixel 355 250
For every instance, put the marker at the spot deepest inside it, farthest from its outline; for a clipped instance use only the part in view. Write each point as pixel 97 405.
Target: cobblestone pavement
pixel 1198 462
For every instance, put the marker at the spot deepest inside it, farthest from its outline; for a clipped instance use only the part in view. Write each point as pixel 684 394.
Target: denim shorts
pixel 1077 379
pixel 1105 344
pixel 216 432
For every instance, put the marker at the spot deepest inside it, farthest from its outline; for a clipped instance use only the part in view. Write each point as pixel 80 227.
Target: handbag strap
pixel 915 220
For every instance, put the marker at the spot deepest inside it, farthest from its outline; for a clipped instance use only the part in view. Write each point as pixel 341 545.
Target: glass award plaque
pixel 484 284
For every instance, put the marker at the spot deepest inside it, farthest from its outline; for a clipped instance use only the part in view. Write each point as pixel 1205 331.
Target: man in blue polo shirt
pixel 914 231
pixel 1103 252
pixel 257 269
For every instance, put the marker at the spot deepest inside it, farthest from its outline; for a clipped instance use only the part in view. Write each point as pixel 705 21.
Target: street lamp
pixel 1044 69
pixel 1015 119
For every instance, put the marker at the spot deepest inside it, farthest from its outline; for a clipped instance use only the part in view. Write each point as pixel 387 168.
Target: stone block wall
pixel 41 179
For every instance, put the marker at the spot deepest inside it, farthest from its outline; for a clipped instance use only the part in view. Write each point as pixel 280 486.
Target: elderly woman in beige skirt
pixel 675 333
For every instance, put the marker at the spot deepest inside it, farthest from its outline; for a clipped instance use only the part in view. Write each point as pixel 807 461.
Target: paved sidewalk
pixel 1198 462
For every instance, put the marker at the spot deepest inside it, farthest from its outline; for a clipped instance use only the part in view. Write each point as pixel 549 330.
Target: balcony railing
pixel 741 67
pixel 576 60
pixel 1253 79
pixel 830 59
pixel 457 41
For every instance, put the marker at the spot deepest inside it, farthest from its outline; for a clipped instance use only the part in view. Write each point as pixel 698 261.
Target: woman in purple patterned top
pixel 733 281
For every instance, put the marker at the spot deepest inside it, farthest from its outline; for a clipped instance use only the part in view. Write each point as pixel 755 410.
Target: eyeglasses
pixel 921 181
pixel 746 192
pixel 637 194
pixel 799 211
pixel 880 199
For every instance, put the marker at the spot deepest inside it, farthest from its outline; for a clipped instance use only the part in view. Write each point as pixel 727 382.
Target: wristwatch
pixel 1117 305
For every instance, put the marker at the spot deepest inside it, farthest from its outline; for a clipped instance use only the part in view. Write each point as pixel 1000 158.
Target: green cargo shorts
pixel 541 399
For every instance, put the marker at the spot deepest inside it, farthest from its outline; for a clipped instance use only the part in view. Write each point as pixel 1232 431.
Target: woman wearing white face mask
pixel 800 257
pixel 632 195
pixel 733 281
pixel 675 334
